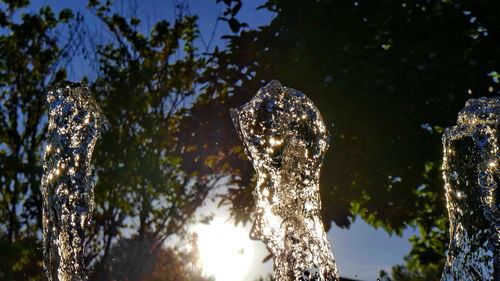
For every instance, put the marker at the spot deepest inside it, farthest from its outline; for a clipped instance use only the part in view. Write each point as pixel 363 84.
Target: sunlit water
pixel 471 175
pixel 75 122
pixel 286 139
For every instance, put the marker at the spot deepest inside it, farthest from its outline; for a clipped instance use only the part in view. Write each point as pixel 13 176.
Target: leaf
pixel 234 25
pixel 65 15
pixel 236 9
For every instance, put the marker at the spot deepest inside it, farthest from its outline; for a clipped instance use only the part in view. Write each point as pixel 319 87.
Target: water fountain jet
pixel 75 123
pixel 472 178
pixel 285 137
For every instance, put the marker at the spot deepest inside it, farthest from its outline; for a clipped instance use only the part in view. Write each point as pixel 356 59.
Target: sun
pixel 225 251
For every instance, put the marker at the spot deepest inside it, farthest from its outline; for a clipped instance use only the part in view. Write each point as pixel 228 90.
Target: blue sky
pixel 361 252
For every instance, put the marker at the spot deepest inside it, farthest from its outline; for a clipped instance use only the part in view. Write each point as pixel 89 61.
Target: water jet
pixel 75 123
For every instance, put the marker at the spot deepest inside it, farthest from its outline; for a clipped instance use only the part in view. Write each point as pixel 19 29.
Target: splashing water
pixel 286 139
pixel 471 175
pixel 75 122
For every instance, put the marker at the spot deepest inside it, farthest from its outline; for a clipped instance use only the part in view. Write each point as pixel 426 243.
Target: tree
pixel 389 76
pixel 402 273
pixel 137 258
pixel 144 84
pixel 31 56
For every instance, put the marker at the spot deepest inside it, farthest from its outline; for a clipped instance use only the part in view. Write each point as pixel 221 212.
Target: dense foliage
pixel 386 75
pixel 30 56
pixel 142 196
pixel 143 91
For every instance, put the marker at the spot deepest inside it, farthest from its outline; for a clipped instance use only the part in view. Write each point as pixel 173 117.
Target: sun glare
pixel 226 251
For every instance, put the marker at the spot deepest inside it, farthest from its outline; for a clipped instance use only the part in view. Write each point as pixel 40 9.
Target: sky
pixel 360 252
